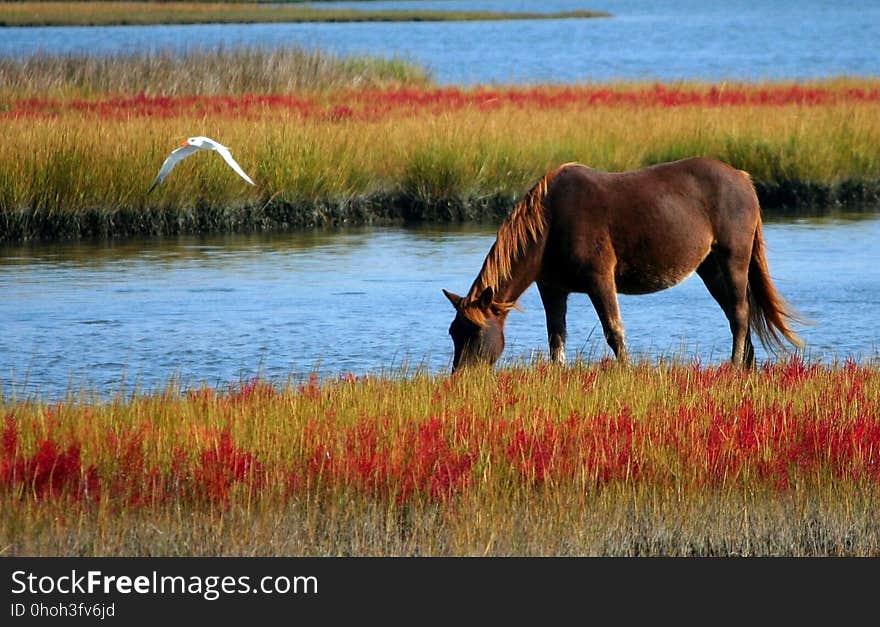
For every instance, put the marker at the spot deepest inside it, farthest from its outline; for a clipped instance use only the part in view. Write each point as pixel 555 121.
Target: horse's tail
pixel 769 314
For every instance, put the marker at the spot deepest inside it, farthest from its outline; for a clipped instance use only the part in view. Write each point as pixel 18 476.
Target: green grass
pixel 143 13
pixel 82 174
pixel 346 140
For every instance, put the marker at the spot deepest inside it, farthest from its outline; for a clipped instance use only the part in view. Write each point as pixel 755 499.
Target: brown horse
pixel 637 232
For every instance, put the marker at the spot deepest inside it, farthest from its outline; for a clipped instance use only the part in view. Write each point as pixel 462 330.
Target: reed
pixel 200 72
pixel 81 167
pixel 595 459
pixel 142 13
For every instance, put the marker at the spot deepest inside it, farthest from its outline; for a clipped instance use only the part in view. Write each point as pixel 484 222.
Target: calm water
pixel 676 39
pixel 220 309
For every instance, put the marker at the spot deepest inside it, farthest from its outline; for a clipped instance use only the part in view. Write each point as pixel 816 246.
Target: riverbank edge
pixel 778 198
pixel 283 15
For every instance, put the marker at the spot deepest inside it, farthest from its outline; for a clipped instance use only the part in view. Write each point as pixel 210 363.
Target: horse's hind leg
pixel 555 306
pixel 727 282
pixel 603 293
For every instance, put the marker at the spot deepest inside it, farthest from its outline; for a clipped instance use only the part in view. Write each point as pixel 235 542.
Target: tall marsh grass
pixel 200 72
pixel 595 459
pixel 73 168
pixel 340 139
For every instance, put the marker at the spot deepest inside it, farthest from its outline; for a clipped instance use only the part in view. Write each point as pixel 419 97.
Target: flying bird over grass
pixel 191 145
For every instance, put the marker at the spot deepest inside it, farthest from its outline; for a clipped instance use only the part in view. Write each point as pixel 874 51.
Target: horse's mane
pixel 525 224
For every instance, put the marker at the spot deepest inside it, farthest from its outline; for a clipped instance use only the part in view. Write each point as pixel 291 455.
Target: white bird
pixel 194 144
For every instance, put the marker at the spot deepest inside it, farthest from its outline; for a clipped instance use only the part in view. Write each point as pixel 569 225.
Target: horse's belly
pixel 649 280
pixel 659 263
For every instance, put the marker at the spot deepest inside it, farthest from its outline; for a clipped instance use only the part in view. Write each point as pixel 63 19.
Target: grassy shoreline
pixel 84 172
pixel 594 459
pixel 785 198
pixel 332 141
pixel 19 14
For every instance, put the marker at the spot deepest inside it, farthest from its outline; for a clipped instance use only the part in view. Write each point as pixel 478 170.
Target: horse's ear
pixel 486 298
pixel 455 299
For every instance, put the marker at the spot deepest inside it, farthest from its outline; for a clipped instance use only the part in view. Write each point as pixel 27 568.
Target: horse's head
pixel 478 328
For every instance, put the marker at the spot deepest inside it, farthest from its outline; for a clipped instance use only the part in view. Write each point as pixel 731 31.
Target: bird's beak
pixel 185 142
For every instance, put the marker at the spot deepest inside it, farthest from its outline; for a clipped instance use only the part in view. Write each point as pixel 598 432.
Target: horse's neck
pixel 524 272
pixel 524 269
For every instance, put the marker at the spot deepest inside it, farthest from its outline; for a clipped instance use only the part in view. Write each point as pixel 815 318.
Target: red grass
pixel 221 468
pixel 53 470
pixel 375 104
pixel 700 443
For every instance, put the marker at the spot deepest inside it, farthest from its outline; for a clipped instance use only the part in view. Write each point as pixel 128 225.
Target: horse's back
pixel 692 193
pixel 652 226
pixel 697 179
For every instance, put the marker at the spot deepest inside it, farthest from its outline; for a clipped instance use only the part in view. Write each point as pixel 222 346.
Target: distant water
pixel 218 309
pixel 671 40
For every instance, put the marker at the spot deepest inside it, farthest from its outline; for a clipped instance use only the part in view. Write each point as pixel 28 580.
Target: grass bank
pixel 145 13
pixel 339 140
pixel 589 460
pixel 81 167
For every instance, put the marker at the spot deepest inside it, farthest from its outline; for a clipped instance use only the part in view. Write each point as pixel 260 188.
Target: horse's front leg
pixel 555 305
pixel 603 293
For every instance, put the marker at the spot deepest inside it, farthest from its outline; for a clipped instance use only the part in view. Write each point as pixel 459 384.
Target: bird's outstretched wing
pixel 170 162
pixel 227 157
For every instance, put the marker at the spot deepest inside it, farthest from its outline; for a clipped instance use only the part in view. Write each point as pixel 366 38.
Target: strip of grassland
pixel 81 173
pixel 343 140
pixel 145 13
pixel 200 72
pixel 655 459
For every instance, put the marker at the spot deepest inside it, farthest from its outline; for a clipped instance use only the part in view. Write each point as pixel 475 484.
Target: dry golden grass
pixel 341 139
pixel 75 161
pixel 215 72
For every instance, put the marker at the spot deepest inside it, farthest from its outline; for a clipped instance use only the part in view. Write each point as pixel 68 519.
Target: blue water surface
pixel 217 310
pixel 645 40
